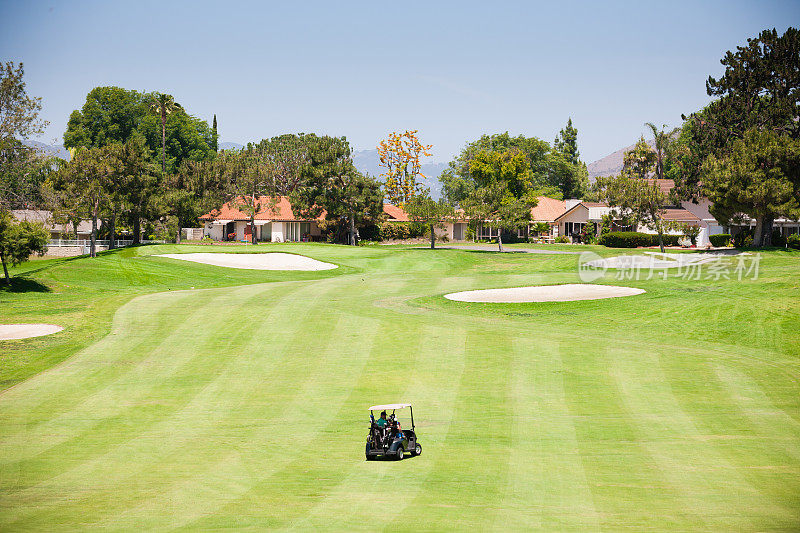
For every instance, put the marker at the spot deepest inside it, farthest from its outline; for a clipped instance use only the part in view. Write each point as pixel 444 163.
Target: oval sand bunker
pixel 544 293
pixel 268 261
pixel 10 332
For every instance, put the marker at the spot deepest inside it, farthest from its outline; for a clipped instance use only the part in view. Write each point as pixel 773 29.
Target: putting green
pixel 245 406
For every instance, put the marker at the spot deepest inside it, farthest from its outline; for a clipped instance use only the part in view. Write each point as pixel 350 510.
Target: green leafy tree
pixel 89 179
pixel 331 183
pixel 250 180
pixel 552 172
pixel 138 183
pixel 19 240
pixel 639 162
pixel 638 199
pixel 758 176
pixel 20 168
pixel 757 92
pixel 424 209
pixel 114 114
pixel 503 194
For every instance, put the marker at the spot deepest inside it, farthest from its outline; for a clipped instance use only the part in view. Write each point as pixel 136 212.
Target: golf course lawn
pixel 183 395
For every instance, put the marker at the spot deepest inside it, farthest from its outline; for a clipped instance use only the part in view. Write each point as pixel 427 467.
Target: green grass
pixel 241 402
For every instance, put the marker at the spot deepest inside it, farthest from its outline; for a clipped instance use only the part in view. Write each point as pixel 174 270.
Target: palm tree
pixel 662 139
pixel 163 105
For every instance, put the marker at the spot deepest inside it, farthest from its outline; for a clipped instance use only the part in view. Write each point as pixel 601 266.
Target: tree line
pixel 741 151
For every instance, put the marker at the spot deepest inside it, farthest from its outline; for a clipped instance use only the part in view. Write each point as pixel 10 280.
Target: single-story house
pixel 572 222
pixel 275 221
pixel 57 231
pixel 454 230
pixel 579 213
pixel 547 210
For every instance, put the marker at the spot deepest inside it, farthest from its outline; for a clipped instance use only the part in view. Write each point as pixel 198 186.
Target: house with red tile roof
pixel 454 230
pixel 275 221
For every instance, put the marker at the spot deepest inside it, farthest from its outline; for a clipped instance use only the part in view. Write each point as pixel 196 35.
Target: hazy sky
pixel 452 70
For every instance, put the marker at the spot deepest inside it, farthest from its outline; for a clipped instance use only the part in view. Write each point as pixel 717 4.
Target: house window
pixel 487 232
pixel 573 227
pixel 292 231
pixel 305 229
pixel 266 232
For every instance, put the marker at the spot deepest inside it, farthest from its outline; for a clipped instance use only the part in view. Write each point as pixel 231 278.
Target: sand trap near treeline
pixel 656 260
pixel 544 293
pixel 268 261
pixel 10 332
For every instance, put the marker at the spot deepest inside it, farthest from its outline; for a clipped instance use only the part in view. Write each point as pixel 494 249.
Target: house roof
pixel 584 205
pixel 665 185
pixel 395 213
pixel 548 209
pixel 679 215
pixel 278 209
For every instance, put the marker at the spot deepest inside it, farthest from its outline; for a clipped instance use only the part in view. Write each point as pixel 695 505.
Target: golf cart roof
pixel 389 407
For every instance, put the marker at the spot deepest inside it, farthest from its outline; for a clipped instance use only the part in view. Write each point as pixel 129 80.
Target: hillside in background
pixel 49 149
pixel 610 164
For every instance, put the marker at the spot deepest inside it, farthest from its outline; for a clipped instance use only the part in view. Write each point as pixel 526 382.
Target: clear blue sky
pixel 452 70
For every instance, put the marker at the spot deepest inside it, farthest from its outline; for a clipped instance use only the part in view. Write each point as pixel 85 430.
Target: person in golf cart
pixel 381 424
pixel 387 438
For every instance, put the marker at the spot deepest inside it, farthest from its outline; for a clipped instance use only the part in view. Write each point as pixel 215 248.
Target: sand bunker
pixel 23 331
pixel 654 260
pixel 268 261
pixel 544 293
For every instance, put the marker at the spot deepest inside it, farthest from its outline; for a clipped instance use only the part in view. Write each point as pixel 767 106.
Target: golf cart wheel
pixel 417 450
pixel 400 453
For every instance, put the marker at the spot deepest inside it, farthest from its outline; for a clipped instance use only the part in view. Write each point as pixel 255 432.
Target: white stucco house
pixel 275 221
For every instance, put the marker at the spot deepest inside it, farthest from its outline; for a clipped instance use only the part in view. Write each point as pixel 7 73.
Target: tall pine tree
pixel 567 143
pixel 214 135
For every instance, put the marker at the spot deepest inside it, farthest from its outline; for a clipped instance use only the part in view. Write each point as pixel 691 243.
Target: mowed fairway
pixel 245 405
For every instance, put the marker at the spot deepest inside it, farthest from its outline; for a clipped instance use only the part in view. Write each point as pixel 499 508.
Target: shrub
pixel 793 241
pixel 589 233
pixel 401 230
pixel 720 240
pixel 634 239
pixel 370 232
pixel 562 239
pixel 691 232
pixel 739 240
pixel 777 238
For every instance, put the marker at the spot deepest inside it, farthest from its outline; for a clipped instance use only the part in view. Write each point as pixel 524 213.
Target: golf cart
pixel 390 439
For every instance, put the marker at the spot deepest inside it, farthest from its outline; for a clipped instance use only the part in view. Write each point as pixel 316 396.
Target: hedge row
pixel 720 240
pixel 401 230
pixel 634 239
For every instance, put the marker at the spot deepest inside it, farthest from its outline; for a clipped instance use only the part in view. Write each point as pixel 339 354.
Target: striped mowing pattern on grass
pixel 241 403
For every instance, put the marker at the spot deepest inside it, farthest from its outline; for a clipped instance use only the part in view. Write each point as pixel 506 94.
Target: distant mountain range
pixel 611 164
pixel 368 162
pixel 230 146
pixel 49 149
